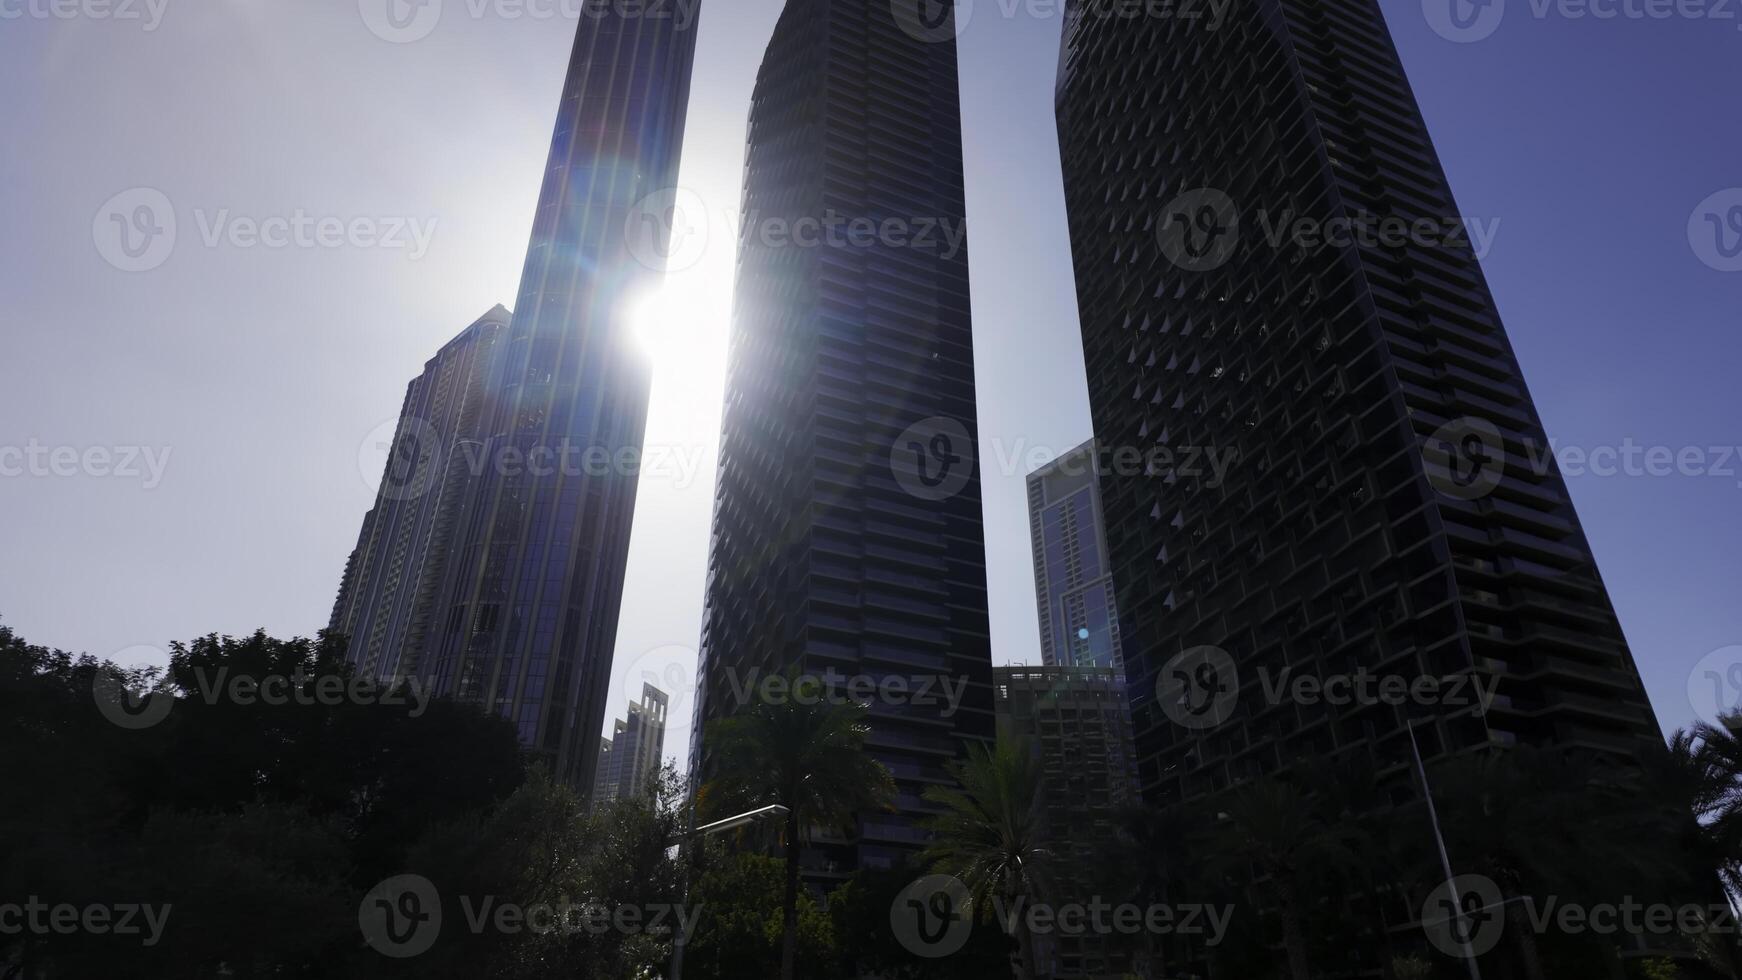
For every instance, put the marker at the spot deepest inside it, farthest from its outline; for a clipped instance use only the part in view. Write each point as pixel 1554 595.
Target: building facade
pixel 629 760
pixel 527 615
pixel 1074 719
pixel 393 580
pixel 1073 582
pixel 1379 509
pixel 847 529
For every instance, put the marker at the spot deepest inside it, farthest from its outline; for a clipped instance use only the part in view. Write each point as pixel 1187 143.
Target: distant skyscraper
pixel 1381 511
pixel 1073 585
pixel 630 758
pixel 527 616
pixel 847 527
pixel 1075 721
pixel 392 585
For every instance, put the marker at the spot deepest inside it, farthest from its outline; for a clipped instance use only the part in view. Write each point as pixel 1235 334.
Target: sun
pixel 681 327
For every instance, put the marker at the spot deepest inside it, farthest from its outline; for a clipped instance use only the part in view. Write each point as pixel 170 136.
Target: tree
pixel 742 934
pixel 240 812
pixel 988 835
pixel 541 855
pixel 1505 816
pixel 1697 784
pixel 804 750
pixel 1271 835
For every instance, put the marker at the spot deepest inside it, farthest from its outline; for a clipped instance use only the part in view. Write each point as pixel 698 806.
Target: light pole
pixel 1433 817
pixel 773 811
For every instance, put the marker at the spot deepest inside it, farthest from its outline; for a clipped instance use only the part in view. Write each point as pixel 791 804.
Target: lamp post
pixel 1433 817
pixel 774 811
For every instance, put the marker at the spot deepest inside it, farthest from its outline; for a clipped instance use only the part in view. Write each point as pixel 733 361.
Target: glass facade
pixel 527 613
pixel 1079 622
pixel 829 549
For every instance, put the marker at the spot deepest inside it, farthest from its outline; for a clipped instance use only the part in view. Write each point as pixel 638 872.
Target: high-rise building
pixel 1073 584
pixel 630 758
pixel 1270 266
pixel 527 616
pixel 393 580
pixel 847 526
pixel 1074 719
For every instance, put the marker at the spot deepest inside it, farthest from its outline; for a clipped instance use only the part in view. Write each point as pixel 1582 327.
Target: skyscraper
pixel 392 583
pixel 1074 719
pixel 1270 263
pixel 1073 583
pixel 630 758
pixel 847 526
pixel 527 616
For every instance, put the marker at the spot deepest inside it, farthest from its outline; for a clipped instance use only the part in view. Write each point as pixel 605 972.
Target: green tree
pixel 1505 815
pixel 1274 839
pixel 742 926
pixel 240 812
pixel 988 836
pixel 804 750
pixel 542 851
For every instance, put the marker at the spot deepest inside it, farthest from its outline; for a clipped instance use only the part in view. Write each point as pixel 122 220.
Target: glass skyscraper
pixel 1382 510
pixel 630 759
pixel 527 615
pixel 1073 584
pixel 847 526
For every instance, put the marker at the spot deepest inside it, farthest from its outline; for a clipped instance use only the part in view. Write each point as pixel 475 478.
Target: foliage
pixel 804 751
pixel 988 836
pixel 740 896
pixel 239 815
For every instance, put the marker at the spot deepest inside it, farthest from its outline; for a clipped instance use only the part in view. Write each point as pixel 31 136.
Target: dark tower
pixel 1382 511
pixel 392 587
pixel 528 612
pixel 847 526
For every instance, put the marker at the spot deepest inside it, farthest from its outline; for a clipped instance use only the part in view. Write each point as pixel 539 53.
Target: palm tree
pixel 1156 856
pixel 1700 773
pixel 1271 833
pixel 1505 814
pixel 1691 804
pixel 806 752
pixel 988 834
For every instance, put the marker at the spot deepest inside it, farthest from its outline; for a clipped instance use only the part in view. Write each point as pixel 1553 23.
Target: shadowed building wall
pixel 847 529
pixel 1383 511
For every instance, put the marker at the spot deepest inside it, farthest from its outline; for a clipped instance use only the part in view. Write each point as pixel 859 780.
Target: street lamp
pixel 1440 839
pixel 773 811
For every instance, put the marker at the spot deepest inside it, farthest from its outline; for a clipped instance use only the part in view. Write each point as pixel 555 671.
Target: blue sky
pixel 265 372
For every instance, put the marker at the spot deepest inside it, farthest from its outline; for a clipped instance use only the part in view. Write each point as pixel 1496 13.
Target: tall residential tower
pixel 393 581
pixel 1073 583
pixel 1270 263
pixel 847 528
